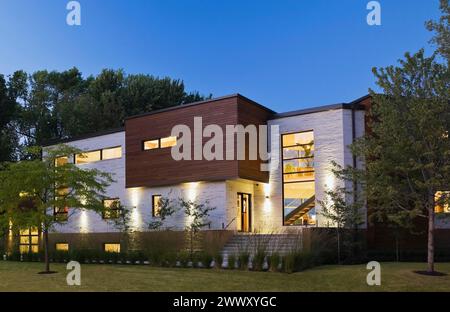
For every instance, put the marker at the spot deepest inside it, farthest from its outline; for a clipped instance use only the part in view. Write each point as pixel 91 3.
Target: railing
pixel 228 225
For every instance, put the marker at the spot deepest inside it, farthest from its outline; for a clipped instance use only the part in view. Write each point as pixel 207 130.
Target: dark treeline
pixel 38 107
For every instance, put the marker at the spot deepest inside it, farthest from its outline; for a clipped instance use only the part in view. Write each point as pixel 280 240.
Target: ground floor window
pixel 442 200
pixel 112 208
pixel 29 240
pixel 111 247
pixel 62 247
pixel 298 178
pixel 156 206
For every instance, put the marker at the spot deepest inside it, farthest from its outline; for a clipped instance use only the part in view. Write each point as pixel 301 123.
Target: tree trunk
pixel 431 240
pixel 339 246
pixel 46 259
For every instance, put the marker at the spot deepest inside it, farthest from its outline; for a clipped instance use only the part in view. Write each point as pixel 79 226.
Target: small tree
pixel 167 208
pixel 343 205
pixel 197 214
pixel 48 186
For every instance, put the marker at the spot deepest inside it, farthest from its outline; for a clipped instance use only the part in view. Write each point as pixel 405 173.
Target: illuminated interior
pixel 168 142
pixel 298 179
pixel 62 247
pixel 111 208
pixel 442 200
pixel 112 247
pixel 112 153
pixel 160 143
pixel 152 144
pixel 29 240
pixel 61 161
pixel 156 207
pixel 88 157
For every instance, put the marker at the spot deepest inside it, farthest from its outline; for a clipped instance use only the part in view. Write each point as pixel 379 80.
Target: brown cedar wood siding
pixel 157 168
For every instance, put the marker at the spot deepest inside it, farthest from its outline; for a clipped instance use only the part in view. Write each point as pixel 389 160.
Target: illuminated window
pixel 298 179
pixel 160 143
pixel 61 161
pixel 111 247
pixel 442 200
pixel 62 247
pixel 112 208
pixel 112 153
pixel 88 157
pixel 156 207
pixel 29 240
pixel 168 142
pixel 61 212
pixel 152 144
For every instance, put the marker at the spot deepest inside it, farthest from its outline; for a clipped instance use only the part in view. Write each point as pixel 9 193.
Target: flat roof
pixel 83 137
pixel 351 105
pixel 158 111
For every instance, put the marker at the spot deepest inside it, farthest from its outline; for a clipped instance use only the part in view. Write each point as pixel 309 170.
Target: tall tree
pixel 48 185
pixel 408 149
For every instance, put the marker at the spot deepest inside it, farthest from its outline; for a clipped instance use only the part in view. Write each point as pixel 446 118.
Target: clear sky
pixel 285 54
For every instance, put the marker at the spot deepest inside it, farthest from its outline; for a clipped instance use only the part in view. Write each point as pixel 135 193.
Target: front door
pixel 245 207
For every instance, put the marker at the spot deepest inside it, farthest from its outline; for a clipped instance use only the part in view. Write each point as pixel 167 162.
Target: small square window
pixel 112 208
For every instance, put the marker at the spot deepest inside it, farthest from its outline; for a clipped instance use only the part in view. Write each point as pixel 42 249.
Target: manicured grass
pixel 17 276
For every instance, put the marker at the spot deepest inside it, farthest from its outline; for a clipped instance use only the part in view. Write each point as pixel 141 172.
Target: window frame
pixel 154 215
pixel 283 182
pixel 159 143
pixel 62 243
pixel 112 243
pixel 116 210
pixel 101 154
pixel 30 244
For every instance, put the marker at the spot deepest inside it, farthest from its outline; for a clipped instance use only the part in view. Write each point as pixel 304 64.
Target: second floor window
pixel 61 212
pixel 160 143
pixel 102 154
pixel 441 202
pixel 111 208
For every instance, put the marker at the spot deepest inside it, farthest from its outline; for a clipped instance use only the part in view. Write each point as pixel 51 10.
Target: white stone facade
pixel 332 134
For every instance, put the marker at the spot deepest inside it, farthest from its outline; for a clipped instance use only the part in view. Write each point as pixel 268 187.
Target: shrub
pixel 184 258
pixel 218 260
pixel 244 258
pixel 274 262
pixel 231 262
pixel 206 260
pixel 258 261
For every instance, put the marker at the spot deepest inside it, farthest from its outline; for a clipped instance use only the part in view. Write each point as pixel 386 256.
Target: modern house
pixel 247 198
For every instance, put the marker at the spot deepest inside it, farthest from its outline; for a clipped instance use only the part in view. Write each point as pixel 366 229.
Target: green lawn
pixel 16 276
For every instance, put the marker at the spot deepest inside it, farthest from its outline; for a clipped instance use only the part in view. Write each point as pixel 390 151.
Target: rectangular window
pixel 88 157
pixel 62 247
pixel 29 240
pixel 111 247
pixel 61 212
pixel 112 208
pixel 112 153
pixel 298 178
pixel 152 144
pixel 61 161
pixel 156 207
pixel 442 200
pixel 168 142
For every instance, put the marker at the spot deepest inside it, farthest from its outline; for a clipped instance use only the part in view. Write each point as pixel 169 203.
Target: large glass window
pixel 298 179
pixel 29 240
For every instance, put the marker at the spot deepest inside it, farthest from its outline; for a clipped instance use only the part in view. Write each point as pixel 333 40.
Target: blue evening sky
pixel 285 54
